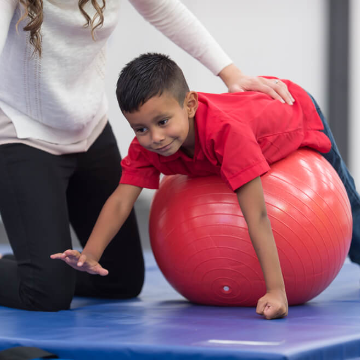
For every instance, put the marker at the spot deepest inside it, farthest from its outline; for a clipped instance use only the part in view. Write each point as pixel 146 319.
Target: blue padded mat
pixel 160 324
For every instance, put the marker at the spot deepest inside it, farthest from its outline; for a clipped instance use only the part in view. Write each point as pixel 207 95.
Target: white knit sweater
pixel 60 97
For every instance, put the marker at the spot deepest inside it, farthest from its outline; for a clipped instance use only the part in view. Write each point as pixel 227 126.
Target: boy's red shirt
pixel 237 136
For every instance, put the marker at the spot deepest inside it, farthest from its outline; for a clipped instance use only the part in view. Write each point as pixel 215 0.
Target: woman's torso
pixel 59 97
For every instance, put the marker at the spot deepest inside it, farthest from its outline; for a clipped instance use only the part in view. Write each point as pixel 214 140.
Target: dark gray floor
pixel 142 208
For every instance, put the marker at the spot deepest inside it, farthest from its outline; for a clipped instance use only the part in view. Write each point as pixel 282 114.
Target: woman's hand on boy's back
pixel 80 261
pixel 273 305
pixel 237 81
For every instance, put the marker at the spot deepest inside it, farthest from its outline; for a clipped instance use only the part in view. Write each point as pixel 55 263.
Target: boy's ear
pixel 191 103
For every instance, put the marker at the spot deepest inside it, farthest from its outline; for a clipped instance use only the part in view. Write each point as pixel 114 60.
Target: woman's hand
pixel 236 81
pixel 80 261
pixel 273 305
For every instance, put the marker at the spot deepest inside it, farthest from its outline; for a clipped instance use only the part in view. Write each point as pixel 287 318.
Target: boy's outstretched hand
pixel 81 262
pixel 273 305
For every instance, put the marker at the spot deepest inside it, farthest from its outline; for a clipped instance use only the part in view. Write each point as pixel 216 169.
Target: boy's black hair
pixel 147 76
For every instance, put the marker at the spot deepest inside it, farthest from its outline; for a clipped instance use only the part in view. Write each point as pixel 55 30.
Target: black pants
pixel 40 194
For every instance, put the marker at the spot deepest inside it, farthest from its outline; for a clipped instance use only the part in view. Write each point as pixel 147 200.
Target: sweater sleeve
pixel 176 22
pixel 7 9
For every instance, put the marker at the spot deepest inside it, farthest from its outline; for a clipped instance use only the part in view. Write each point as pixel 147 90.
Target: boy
pixel 235 136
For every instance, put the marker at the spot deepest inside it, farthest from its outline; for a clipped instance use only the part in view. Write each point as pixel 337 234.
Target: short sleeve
pixel 239 154
pixel 137 169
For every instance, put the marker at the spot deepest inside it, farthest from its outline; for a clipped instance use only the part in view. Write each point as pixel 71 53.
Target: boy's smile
pixel 161 125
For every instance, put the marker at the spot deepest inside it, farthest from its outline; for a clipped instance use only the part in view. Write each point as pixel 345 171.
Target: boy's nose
pixel 158 137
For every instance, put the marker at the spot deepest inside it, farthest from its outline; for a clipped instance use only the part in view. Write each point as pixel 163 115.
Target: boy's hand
pixel 81 262
pixel 273 305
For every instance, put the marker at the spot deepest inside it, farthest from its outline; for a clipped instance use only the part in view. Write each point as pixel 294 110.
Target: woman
pixel 59 160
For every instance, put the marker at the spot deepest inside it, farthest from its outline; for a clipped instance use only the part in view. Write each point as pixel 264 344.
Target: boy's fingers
pixel 103 272
pixel 82 260
pixel 260 308
pixel 71 253
pixel 57 256
pixel 74 258
pixel 271 314
pixel 274 313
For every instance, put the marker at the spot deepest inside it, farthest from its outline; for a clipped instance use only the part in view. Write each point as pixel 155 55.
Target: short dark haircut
pixel 147 76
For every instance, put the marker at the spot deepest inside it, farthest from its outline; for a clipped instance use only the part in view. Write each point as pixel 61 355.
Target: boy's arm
pixel 251 200
pixel 112 216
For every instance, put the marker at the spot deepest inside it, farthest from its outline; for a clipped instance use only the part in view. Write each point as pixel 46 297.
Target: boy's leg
pixel 34 211
pixel 97 176
pixel 335 159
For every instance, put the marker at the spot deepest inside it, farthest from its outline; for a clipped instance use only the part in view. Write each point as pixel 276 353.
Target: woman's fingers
pixel 273 87
pixel 281 90
pixel 276 89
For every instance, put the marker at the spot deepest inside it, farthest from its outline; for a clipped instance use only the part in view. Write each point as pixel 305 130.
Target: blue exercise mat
pixel 162 325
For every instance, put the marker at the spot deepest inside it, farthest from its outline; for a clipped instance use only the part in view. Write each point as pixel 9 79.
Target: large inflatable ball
pixel 201 243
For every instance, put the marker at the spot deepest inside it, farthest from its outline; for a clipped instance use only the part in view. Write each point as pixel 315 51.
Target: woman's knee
pixel 48 299
pixel 124 287
pixel 48 290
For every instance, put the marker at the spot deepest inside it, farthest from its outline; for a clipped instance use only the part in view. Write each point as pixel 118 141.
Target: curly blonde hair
pixel 34 11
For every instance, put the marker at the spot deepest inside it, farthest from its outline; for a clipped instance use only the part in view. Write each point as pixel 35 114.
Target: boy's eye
pixel 163 122
pixel 140 130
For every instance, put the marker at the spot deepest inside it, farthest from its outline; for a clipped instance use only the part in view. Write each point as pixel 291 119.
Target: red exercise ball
pixel 201 243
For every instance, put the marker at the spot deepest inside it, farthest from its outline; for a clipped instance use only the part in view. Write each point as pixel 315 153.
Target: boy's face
pixel 161 125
